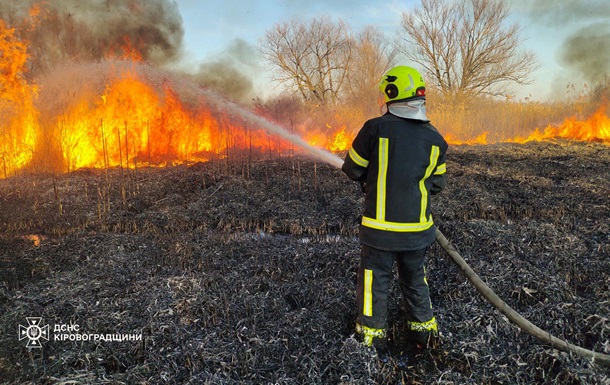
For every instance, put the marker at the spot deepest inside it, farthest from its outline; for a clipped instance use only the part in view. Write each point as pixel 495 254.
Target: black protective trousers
pixel 374 278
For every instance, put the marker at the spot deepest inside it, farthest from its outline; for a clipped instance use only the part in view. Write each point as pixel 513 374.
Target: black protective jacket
pixel 402 162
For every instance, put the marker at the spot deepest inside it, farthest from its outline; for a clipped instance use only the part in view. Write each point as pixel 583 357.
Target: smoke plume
pixel 73 30
pixel 586 50
pixel 227 73
pixel 60 33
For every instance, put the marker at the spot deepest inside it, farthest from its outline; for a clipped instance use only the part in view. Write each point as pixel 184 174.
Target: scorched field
pixel 244 272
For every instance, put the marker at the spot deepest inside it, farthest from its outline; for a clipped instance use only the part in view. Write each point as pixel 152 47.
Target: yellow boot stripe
pixel 365 330
pixel 427 326
pixel 369 334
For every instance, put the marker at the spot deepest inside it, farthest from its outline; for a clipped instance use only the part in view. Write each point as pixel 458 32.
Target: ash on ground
pixel 240 272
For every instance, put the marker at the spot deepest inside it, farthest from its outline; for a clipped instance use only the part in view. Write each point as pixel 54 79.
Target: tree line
pixel 463 48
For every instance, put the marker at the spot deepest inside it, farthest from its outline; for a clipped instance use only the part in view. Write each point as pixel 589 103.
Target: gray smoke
pixel 70 31
pixel 586 51
pixel 89 30
pixel 226 74
pixel 560 12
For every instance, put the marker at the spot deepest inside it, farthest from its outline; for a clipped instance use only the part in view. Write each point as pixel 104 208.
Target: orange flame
pixel 335 141
pixel 130 123
pixel 594 129
pixel 17 114
pixel 126 51
pixel 481 139
pixel 340 141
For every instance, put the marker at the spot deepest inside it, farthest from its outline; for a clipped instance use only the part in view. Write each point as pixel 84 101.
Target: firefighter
pixel 399 158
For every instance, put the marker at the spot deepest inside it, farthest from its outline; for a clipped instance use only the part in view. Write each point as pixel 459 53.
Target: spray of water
pixel 184 87
pixel 94 76
pixel 251 117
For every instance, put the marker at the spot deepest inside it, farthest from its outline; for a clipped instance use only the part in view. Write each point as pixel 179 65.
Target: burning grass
pixel 246 275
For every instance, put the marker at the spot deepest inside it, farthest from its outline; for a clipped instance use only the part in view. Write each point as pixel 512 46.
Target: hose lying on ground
pixel 525 325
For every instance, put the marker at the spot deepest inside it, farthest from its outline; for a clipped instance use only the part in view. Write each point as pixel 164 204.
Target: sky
pixel 214 31
pixel 210 26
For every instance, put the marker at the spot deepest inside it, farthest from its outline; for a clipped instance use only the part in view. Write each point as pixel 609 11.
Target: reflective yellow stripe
pixel 360 161
pixel 368 334
pixel 370 331
pixel 381 178
pixel 396 226
pixel 426 282
pixel 427 326
pixel 434 152
pixel 425 278
pixel 441 169
pixel 367 308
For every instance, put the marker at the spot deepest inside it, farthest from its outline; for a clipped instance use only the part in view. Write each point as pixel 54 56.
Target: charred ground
pixel 244 272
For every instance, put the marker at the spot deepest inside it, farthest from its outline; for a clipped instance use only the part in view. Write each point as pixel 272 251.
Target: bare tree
pixel 311 59
pixel 372 56
pixel 465 46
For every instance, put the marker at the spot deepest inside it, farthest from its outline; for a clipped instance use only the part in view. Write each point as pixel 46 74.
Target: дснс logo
pixel 34 332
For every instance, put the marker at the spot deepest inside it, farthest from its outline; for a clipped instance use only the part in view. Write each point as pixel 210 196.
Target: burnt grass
pixel 244 272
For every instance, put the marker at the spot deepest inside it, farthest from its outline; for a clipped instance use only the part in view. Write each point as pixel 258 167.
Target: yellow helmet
pixel 402 83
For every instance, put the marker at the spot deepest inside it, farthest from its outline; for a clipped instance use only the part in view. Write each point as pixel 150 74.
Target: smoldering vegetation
pixel 244 272
pixel 89 31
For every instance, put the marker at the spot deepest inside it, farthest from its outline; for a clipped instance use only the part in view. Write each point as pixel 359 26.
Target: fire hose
pixel 498 303
pixel 512 315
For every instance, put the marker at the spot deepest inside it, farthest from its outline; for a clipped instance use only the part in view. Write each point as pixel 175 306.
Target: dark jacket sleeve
pixel 439 176
pixel 357 159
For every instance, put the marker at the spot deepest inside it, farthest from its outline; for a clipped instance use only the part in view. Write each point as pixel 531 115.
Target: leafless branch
pixel 465 47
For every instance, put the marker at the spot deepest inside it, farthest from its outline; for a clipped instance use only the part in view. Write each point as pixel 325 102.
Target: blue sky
pixel 212 27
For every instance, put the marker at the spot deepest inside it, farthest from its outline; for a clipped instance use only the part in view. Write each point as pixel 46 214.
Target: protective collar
pixel 410 109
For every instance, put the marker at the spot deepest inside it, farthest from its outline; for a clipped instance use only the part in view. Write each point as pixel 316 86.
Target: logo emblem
pixel 34 332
